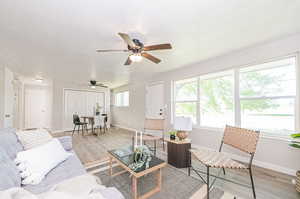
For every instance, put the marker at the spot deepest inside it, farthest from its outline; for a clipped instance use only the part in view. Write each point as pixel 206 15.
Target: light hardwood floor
pixel 269 184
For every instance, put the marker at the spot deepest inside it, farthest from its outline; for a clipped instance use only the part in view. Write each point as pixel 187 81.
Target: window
pixel 122 99
pixel 186 94
pixel 267 96
pixel 217 100
pixel 261 97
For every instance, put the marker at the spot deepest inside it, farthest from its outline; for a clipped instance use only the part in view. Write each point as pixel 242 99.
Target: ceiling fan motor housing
pixel 93 82
pixel 137 43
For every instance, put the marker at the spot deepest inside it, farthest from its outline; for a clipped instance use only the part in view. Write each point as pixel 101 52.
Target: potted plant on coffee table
pixel 296 144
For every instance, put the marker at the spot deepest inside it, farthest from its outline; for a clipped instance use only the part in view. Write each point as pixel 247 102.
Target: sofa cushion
pixel 9 142
pixel 66 142
pixel 9 174
pixel 70 168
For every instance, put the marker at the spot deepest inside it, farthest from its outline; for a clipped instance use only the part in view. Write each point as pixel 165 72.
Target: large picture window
pixel 260 97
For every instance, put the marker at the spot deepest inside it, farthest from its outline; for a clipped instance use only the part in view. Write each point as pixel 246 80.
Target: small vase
pixel 182 134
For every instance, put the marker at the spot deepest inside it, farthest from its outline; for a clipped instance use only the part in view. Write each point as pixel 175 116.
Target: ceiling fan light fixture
pixel 39 79
pixel 136 57
pixel 93 87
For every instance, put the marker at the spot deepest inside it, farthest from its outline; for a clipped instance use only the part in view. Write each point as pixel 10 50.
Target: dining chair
pixel 242 139
pixel 78 123
pixel 99 123
pixel 105 117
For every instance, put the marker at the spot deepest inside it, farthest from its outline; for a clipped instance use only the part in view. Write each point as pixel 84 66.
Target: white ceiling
pixel 58 38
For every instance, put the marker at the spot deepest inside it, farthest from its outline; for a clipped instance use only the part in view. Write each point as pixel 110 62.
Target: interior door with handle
pixel 155 101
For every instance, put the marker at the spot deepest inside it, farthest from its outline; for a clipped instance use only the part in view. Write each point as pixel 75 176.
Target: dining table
pixel 89 120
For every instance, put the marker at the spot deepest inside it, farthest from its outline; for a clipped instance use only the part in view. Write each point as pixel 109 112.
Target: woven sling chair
pixel 242 139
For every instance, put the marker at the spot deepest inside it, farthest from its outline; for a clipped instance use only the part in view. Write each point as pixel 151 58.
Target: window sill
pixel 121 106
pixel 264 135
pixel 208 128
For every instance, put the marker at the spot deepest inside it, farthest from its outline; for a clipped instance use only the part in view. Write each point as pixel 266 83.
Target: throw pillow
pixel 33 138
pixel 34 164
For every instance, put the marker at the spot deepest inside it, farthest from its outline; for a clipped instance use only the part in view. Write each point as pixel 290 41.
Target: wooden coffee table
pixel 155 165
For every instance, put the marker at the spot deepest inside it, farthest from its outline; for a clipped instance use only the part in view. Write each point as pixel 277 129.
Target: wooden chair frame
pixel 208 175
pixel 155 124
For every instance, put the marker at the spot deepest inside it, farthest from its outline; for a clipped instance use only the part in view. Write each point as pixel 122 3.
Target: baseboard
pixel 123 127
pixel 258 163
pixel 70 129
pixel 58 131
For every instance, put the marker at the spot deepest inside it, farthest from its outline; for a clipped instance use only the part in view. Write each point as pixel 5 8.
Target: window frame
pixel 196 101
pixel 122 94
pixel 216 75
pixel 237 98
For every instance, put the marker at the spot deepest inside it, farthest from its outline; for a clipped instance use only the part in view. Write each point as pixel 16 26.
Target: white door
pixel 155 101
pixel 74 103
pixel 35 108
pixel 92 99
pixel 9 99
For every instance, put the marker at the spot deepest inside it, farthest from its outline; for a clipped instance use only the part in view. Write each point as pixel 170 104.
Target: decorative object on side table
pixel 296 144
pixel 183 125
pixel 172 135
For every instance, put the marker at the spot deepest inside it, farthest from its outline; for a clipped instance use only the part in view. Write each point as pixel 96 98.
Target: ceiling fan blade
pixel 103 86
pixel 102 51
pixel 128 61
pixel 151 58
pixel 127 39
pixel 98 85
pixel 157 47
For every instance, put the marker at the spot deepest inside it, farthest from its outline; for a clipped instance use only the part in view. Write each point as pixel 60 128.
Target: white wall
pixel 271 153
pixel 132 116
pixel 58 102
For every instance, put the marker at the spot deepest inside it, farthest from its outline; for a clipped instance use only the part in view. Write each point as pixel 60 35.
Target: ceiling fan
pixel 138 50
pixel 94 84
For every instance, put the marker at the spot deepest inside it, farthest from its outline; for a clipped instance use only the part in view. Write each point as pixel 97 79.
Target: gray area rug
pixel 176 184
